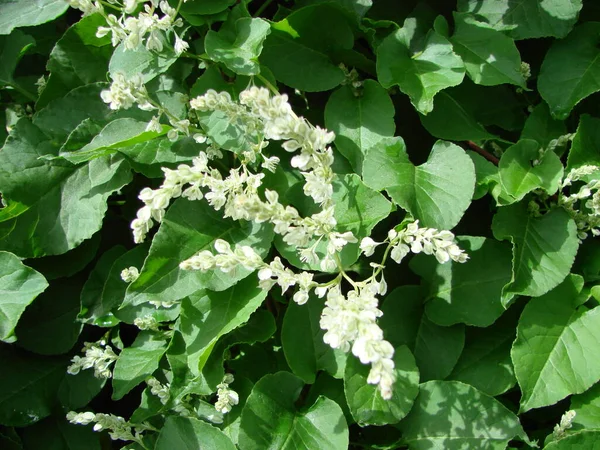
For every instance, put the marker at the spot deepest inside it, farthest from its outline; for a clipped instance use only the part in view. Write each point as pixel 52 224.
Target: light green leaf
pixel 544 248
pixel 526 19
pixel 453 415
pixel 437 192
pixel 357 208
pixel 138 362
pixel 12 49
pixel 60 205
pixel 489 55
pixel 566 76
pixel 542 127
pixel 148 64
pixel 49 326
pixel 359 121
pixel 190 227
pixel 554 353
pixel 208 315
pixel 239 49
pixel 470 292
pixel 270 418
pixel 583 440
pixel 520 174
pixel 485 361
pixel 419 72
pixel 29 384
pixel 26 13
pixel 365 402
pixel 587 407
pixel 302 341
pixel 19 285
pixel 299 47
pixel 184 433
pixel 586 144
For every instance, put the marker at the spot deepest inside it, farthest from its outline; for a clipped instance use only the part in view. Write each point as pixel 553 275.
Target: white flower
pixel 367 246
pixel 130 274
pixel 226 397
pixel 154 125
pixel 98 356
pixel 180 45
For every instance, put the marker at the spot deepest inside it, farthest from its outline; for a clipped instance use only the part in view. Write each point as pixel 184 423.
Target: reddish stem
pixel 487 155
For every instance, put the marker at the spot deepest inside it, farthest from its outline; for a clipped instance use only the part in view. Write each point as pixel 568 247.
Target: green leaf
pixel 208 315
pixel 60 205
pixel 29 384
pixel 12 49
pixel 26 13
pixel 190 227
pixel 402 312
pixel 485 361
pixel 587 407
pixel 365 402
pixel 270 418
pixel 542 127
pixel 303 346
pixel 490 56
pixel 419 71
pixel 544 248
pixel 299 47
pixel 191 434
pixel 437 192
pixel 586 143
pixel 49 326
pixel 520 174
pixel 583 440
pixel 55 433
pixel 238 49
pixel 554 350
pixel 138 362
pixel 437 348
pixel 470 292
pixel 20 285
pixel 141 61
pixel 567 77
pixel 357 208
pixel 76 391
pixel 453 415
pixel 359 119
pixel 206 7
pixel 526 19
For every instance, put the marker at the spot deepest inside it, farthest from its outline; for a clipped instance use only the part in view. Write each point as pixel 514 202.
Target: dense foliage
pixel 299 224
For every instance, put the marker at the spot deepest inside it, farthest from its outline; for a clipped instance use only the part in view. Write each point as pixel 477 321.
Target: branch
pixel 487 155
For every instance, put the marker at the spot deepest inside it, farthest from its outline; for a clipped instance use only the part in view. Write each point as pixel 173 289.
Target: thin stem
pixel 487 155
pixel 268 84
pixel 22 91
pixel 262 7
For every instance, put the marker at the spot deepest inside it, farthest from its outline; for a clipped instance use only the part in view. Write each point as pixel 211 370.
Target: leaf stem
pixel 487 155
pixel 262 7
pixel 22 91
pixel 267 83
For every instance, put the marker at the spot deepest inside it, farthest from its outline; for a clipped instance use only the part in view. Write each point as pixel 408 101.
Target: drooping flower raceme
pixel 118 428
pixel 226 397
pixel 98 355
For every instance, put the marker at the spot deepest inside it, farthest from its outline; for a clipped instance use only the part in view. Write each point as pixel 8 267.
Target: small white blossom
pixel 226 397
pixel 130 274
pixel 98 356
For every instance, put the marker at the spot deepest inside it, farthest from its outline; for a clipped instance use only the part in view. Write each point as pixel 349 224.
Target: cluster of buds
pixel 566 422
pixel 98 355
pixel 130 274
pixel 226 397
pixel 159 390
pixel 583 205
pixel 118 428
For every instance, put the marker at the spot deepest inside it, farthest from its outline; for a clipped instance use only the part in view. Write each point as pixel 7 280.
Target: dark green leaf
pixel 542 127
pixel 12 49
pixel 437 349
pixel 586 144
pixel 56 433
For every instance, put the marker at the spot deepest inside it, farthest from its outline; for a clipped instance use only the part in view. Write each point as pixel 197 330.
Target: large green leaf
pixel 583 440
pixel 544 248
pixel 19 285
pixel 365 402
pixel 189 227
pixel 568 76
pixel 138 362
pixel 298 50
pixel 238 49
pixel 183 433
pixel 359 120
pixel 208 315
pixel 437 192
pixel 554 350
pixel 357 208
pixel 587 407
pixel 467 293
pixel 271 420
pixel 437 348
pixel 59 205
pixel 26 13
pixel 542 127
pixel 489 55
pixel 303 346
pixel 522 170
pixel 28 387
pixel 12 48
pixel 419 71
pixel 452 415
pixel 485 361
pixel 524 19
pixel 586 143
pixel 141 61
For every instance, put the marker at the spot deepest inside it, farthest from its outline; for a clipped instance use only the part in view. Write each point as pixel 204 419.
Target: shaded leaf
pixel 191 434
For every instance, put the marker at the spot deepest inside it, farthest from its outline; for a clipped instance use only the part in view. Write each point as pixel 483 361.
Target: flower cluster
pixel 415 239
pixel 146 322
pixel 98 355
pixel 158 389
pixel 125 92
pixel 118 428
pixel 130 274
pixel 226 397
pixel 587 217
pixel 566 422
pixel 148 27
